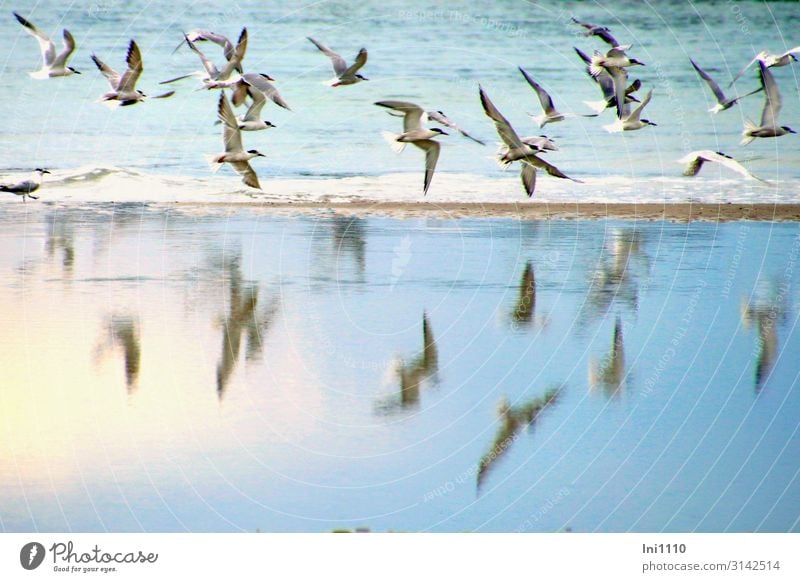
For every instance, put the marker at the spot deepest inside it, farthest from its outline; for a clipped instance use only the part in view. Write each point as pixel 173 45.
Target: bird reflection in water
pixel 524 312
pixel 60 237
pixel 512 420
pixel 243 319
pixel 615 276
pixel 348 237
pixel 413 374
pixel 766 311
pixel 122 332
pixel 609 373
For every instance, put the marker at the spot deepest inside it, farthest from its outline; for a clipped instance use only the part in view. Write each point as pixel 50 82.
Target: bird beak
pixel 267 77
pixel 792 131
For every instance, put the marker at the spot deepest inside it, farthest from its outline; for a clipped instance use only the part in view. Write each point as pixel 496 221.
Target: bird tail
pixel 539 119
pixel 615 127
pixel 747 136
pixel 4 188
pixel 716 109
pixel 213 163
pixel 391 139
pixel 598 106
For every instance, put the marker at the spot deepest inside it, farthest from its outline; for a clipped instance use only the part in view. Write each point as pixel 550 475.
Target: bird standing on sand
pixel 345 75
pixel 414 132
pixel 25 187
pixel 53 65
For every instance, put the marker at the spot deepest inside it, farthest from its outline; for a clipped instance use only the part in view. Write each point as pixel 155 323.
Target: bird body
pixel 26 187
pixel 123 87
pixel 633 120
pixel 769 115
pixel 234 153
pixel 345 75
pixel 694 162
pixel 53 64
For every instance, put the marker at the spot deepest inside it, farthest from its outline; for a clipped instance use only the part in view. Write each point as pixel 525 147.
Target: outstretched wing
pixel 339 64
pixel 711 83
pixel 135 68
pixel 442 119
pixel 110 74
pixel 501 124
pixel 544 96
pixel 46 46
pixel 361 60
pixel 412 113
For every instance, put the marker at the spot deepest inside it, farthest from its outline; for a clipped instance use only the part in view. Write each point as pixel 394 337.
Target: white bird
pixel 632 121
pixel 345 75
pixel 440 118
pixel 25 187
pixel 723 102
pixel 694 162
pixel 234 154
pixel 53 65
pixel 769 116
pixel 123 87
pixel 256 82
pixel 211 76
pixel 608 87
pixel 614 64
pixel 770 60
pixel 551 114
pixel 220 40
pixel 517 150
pixel 616 57
pixel 251 120
pixel 414 132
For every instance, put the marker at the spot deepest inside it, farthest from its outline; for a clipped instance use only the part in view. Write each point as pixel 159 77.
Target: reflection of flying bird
pixel 610 372
pixel 694 162
pixel 526 301
pixel 766 317
pixel 551 114
pixel 345 75
pixel 414 132
pixel 235 155
pixel 723 102
pixel 517 150
pixel 614 279
pixel 413 374
pixel 769 115
pixel 121 331
pixel 123 87
pixel 512 420
pixel 25 187
pixel 53 64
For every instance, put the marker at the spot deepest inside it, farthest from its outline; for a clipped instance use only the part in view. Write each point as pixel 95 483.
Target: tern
pixel 770 61
pixel 53 65
pixel 25 187
pixel 694 162
pixel 517 150
pixel 206 35
pixel 212 77
pixel 235 154
pixel 601 32
pixel 614 64
pixel 251 120
pixel 250 83
pixel 414 132
pixel 551 114
pixel 606 83
pixel 769 116
pixel 344 75
pixel 632 121
pixel 723 102
pixel 123 87
pixel 440 118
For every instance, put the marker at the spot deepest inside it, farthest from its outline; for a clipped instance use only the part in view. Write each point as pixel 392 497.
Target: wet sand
pixel 545 210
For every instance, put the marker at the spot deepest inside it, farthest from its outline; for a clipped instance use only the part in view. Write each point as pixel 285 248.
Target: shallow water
pixel 226 370
pixel 435 54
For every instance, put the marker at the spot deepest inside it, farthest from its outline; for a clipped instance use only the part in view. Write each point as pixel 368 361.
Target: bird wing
pixel 772 101
pixel 135 68
pixel 46 46
pixel 694 162
pixel 636 113
pixel 260 83
pixel 442 119
pixel 211 68
pixel 412 113
pixel 235 62
pixel 620 79
pixel 528 176
pixel 584 57
pixel 231 136
pixel 361 60
pixel 254 111
pixel 791 52
pixel 110 74
pixel 248 174
pixel 606 36
pixel 69 48
pixel 339 64
pixel 544 96
pixel 711 83
pixel 730 163
pixel 501 124
pixel 432 149
pixel 538 162
pixel 747 66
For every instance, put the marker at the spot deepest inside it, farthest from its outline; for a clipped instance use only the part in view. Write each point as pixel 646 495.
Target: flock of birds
pixel 608 70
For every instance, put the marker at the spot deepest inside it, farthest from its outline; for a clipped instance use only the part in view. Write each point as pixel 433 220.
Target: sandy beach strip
pixel 682 212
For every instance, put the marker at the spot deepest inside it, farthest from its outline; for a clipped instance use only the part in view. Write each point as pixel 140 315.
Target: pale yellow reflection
pixel 609 373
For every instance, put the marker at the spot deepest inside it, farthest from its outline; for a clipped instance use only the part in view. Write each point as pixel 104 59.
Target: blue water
pixel 432 53
pixel 234 370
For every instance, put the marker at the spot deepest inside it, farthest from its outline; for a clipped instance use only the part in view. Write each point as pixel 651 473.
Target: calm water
pixel 432 53
pixel 215 370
